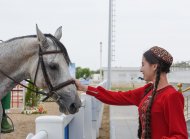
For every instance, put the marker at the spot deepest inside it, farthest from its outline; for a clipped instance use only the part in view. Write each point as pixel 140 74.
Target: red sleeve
pixel 131 97
pixel 174 116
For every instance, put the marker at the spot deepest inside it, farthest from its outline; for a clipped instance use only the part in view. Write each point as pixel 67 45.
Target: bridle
pixel 52 89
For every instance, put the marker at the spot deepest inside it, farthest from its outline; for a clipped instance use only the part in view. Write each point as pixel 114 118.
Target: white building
pixel 122 76
pixel 130 75
pixel 96 77
pixel 179 75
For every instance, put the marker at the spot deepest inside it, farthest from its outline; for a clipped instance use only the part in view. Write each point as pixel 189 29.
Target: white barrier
pixel 41 135
pixel 83 125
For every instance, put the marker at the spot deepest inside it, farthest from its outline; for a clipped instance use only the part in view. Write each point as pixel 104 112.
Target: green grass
pixel 121 88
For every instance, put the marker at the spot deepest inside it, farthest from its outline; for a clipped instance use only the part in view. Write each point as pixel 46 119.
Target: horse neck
pixel 15 59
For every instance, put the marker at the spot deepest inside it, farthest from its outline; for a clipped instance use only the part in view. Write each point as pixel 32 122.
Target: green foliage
pixel 82 72
pixel 121 88
pixel 97 72
pixel 31 98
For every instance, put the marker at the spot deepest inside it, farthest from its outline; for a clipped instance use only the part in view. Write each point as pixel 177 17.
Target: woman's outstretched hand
pixel 80 87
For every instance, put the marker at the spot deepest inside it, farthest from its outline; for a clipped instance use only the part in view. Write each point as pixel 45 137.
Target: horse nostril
pixel 73 108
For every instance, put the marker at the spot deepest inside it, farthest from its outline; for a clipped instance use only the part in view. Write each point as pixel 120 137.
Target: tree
pixel 78 72
pixel 31 98
pixel 97 72
pixel 83 73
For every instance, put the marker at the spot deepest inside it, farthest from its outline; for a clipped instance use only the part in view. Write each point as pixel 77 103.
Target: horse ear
pixel 58 33
pixel 41 38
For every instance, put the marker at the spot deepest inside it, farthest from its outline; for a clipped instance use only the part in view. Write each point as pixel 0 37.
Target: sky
pixel 140 24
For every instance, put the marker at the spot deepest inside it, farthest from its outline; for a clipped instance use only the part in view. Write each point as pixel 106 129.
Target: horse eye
pixel 54 66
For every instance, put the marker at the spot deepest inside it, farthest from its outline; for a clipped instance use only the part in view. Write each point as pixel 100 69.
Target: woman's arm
pixel 131 97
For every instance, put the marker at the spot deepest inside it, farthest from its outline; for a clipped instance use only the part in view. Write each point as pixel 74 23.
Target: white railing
pixel 41 135
pixel 83 125
pixel 186 94
pixel 187 105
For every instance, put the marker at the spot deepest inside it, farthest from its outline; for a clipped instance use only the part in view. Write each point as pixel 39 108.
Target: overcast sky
pixel 140 24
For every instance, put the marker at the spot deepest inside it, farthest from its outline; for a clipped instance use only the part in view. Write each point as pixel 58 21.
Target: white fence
pixel 83 125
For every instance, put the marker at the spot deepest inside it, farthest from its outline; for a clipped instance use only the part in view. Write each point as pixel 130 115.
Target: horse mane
pixel 55 41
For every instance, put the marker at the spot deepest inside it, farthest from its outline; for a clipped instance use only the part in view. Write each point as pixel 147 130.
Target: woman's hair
pixel 163 67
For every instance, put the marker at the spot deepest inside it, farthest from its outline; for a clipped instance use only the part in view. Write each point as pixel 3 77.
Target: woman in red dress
pixel 160 106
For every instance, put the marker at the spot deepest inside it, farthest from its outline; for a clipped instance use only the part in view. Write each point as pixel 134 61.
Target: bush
pixel 31 98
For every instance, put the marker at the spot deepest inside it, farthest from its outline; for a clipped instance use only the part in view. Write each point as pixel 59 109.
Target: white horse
pixel 43 59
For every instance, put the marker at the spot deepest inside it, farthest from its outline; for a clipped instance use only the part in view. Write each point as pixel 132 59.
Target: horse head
pixel 54 59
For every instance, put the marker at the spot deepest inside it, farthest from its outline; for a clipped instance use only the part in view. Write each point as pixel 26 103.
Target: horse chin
pixel 64 110
pixel 62 107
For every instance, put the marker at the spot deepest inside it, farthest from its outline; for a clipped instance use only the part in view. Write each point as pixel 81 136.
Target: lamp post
pixel 101 76
pixel 111 40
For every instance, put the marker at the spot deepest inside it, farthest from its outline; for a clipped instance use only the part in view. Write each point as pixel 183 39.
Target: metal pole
pixel 101 76
pixel 109 45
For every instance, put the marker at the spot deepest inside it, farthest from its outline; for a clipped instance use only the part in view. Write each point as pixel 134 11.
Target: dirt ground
pixel 25 124
pixel 105 127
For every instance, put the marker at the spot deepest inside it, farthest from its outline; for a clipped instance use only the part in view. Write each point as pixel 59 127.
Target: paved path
pixel 123 122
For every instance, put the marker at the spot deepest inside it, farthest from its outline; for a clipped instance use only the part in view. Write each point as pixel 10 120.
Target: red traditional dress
pixel 167 116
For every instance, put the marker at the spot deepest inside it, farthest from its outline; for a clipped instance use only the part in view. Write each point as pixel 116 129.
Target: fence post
pixel 83 125
pixel 76 126
pixel 87 116
pixel 53 125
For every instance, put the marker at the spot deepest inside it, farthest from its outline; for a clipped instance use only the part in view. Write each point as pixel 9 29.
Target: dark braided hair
pixel 148 112
pixel 162 67
pixel 140 126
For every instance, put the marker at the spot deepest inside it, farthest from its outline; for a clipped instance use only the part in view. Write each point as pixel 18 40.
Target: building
pixel 123 76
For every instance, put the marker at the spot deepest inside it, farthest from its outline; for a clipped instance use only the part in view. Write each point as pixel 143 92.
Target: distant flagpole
pixel 101 76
